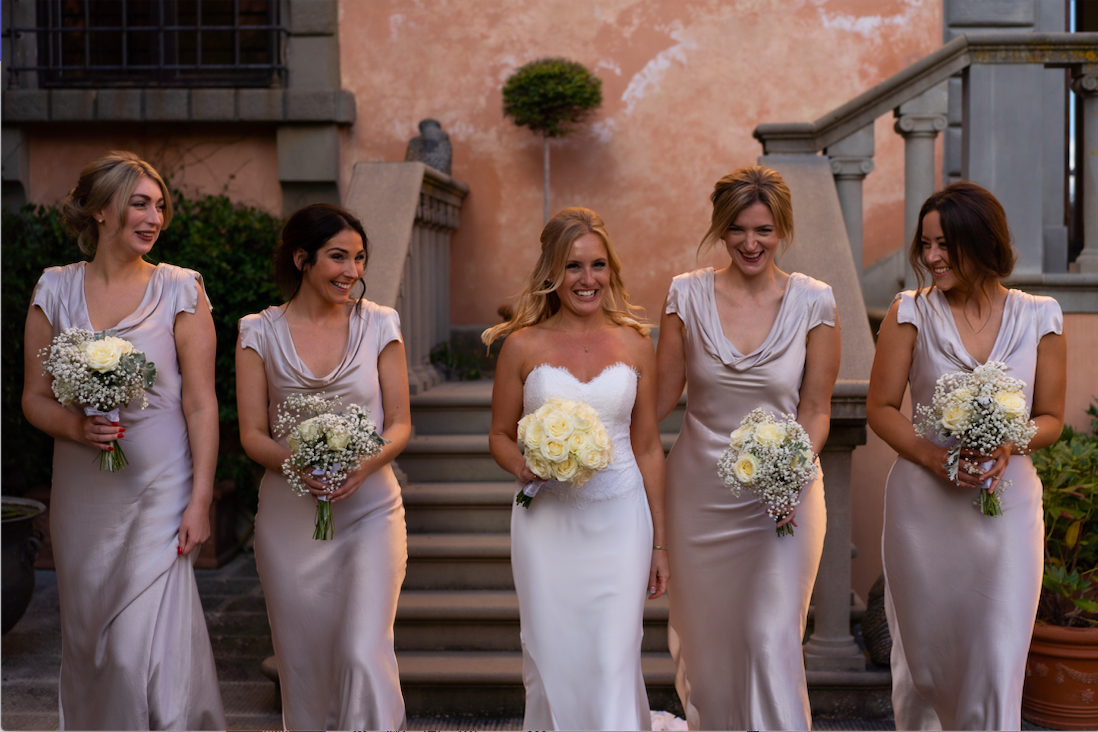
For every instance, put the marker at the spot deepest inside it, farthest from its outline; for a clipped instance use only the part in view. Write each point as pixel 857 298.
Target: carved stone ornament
pixel 431 147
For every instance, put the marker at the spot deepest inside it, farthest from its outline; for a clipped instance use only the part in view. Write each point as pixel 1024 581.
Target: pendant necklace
pixel 562 330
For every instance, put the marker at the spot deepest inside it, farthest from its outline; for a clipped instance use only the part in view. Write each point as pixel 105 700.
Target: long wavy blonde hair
pixel 539 301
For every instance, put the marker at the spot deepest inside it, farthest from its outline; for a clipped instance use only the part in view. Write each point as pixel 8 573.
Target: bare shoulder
pixel 641 350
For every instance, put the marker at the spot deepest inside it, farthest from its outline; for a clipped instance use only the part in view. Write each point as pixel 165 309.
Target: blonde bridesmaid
pixel 745 336
pixel 135 650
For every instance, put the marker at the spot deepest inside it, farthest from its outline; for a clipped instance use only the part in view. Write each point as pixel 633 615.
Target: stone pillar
pixel 851 162
pixel 919 121
pixel 1085 85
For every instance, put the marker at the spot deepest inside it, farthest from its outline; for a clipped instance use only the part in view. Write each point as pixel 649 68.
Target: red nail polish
pixel 110 448
pixel 114 424
pixel 179 550
pixel 120 435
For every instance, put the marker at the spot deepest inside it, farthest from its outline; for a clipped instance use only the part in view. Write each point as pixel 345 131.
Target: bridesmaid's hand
pixel 1000 458
pixel 350 484
pixel 790 518
pixel 934 459
pixel 659 574
pixel 194 529
pixel 99 432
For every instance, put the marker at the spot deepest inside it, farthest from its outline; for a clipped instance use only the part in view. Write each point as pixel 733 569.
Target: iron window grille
pixel 168 43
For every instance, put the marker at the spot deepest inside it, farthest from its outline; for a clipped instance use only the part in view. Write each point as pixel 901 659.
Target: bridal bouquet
pixel 328 444
pixel 101 372
pixel 564 440
pixel 773 459
pixel 983 410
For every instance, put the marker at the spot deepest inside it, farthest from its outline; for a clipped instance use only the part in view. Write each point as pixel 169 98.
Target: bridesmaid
pixel 958 660
pixel 582 557
pixel 135 650
pixel 331 604
pixel 745 336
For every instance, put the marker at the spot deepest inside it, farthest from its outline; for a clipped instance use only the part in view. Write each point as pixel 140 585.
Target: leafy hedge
pixel 231 245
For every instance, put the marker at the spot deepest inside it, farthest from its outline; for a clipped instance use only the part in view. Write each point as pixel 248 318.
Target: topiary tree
pixel 550 96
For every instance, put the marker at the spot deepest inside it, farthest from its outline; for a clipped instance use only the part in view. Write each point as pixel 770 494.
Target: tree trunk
pixel 545 184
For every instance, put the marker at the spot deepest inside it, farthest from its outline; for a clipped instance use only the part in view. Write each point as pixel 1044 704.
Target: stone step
pixel 465 407
pixel 459 561
pixel 484 620
pixel 445 508
pixel 490 683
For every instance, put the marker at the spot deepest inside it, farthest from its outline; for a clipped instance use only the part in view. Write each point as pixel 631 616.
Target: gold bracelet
pixel 659 547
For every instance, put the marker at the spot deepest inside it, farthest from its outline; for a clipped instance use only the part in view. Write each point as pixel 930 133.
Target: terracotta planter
pixel 1061 688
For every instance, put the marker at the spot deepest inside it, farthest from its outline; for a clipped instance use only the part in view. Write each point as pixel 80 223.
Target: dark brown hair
pixel 977 236
pixel 309 229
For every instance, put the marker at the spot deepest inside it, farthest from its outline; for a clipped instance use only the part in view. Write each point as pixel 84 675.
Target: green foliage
pixel 551 94
pixel 455 364
pixel 230 245
pixel 1069 473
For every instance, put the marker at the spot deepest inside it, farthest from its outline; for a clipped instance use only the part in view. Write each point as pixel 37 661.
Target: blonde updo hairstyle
pixel 115 174
pixel 538 300
pixel 743 188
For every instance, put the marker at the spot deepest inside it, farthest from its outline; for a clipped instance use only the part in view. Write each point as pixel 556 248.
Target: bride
pixel 581 556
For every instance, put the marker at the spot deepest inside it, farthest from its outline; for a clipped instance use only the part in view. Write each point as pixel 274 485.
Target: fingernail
pixel 651 590
pixel 179 550
pixel 110 448
pixel 114 424
pixel 120 435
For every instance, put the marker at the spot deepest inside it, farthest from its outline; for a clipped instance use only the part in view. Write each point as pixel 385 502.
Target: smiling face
pixel 752 239
pixel 586 276
pixel 936 253
pixel 143 219
pixel 336 268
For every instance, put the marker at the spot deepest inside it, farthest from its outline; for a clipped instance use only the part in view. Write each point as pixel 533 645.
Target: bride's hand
pixel 525 475
pixel 659 574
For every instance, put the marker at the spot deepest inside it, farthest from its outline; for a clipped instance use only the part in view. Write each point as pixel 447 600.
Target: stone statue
pixel 431 146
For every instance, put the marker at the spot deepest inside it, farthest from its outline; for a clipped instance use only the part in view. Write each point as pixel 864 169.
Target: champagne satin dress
pixel 962 588
pixel 581 558
pixel 332 603
pixel 135 650
pixel 739 593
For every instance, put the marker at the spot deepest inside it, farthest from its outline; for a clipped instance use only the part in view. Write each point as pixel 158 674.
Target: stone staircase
pixel 457 626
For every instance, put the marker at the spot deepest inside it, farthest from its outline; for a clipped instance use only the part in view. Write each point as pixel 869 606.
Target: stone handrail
pixel 1053 49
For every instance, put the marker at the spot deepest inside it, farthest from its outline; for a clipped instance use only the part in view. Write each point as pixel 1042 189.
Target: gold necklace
pixel 578 343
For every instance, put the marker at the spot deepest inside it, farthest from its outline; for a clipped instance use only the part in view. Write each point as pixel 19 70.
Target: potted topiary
pixel 549 96
pixel 1061 686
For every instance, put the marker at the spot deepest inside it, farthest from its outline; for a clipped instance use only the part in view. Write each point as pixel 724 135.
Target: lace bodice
pixel 612 394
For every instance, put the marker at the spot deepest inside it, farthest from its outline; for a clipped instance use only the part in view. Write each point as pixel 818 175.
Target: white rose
pixel 954 418
pixel 590 457
pixel 568 469
pixel 123 345
pixel 745 468
pixel 577 441
pixel 310 430
pixel 739 436
pixel 600 438
pixel 520 433
pixel 539 466
pixel 102 355
pixel 554 451
pixel 544 411
pixel 584 418
pixel 338 440
pixel 1013 403
pixel 558 426
pixel 534 435
pixel 770 433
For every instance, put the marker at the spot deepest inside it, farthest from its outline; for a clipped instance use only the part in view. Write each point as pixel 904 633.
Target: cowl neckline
pixel 154 291
pixel 724 349
pixel 955 347
pixel 277 318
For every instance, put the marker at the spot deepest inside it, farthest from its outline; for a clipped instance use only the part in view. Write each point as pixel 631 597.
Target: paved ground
pixel 237 619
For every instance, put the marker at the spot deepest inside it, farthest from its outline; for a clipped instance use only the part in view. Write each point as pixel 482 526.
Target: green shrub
pixel 1068 470
pixel 551 94
pixel 229 244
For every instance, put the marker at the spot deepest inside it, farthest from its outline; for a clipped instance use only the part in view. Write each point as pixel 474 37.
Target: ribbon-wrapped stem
pixel 325 526
pixel 526 496
pixel 110 460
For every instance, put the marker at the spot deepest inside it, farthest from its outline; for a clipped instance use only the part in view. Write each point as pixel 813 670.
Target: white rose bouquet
pixel 327 444
pixel 983 410
pixel 564 440
pixel 101 372
pixel 773 459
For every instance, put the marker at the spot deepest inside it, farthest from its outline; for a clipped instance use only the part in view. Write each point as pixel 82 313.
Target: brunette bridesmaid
pixel 962 587
pixel 331 604
pixel 135 650
pixel 745 336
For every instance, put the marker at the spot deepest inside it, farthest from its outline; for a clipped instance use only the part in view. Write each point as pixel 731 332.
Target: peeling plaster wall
pixel 684 84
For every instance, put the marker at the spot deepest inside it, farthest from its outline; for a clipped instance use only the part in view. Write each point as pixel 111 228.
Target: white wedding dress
pixel 581 558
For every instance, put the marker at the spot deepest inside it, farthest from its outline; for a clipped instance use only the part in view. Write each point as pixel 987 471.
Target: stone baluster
pixel 851 162
pixel 919 121
pixel 1085 85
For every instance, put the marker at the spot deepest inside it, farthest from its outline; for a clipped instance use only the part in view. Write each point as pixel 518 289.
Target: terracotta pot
pixel 1061 688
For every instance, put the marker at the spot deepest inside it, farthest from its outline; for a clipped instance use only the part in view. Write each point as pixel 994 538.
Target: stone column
pixel 1085 85
pixel 919 121
pixel 851 162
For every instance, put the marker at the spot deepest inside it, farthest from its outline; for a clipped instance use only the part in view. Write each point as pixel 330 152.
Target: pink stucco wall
pixel 684 84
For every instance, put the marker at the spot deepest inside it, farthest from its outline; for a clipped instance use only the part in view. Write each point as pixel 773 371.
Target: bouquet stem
pixel 786 530
pixel 325 527
pixel 113 460
pixel 990 505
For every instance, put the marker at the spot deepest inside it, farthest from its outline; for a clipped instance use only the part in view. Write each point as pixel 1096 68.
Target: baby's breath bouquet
pixel 564 440
pixel 101 372
pixel 773 459
pixel 327 444
pixel 983 410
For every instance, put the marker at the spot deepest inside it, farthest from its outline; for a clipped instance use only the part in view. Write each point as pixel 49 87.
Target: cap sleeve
pixel 186 285
pixel 46 293
pixel 676 297
pixel 1050 318
pixel 388 327
pixel 907 312
pixel 823 309
pixel 252 334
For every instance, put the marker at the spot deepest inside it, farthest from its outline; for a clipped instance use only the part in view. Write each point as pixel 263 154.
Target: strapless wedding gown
pixel 581 558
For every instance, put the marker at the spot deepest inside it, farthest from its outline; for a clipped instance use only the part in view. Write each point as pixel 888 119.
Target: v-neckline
pixel 957 333
pixel 128 317
pixel 304 366
pixel 720 325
